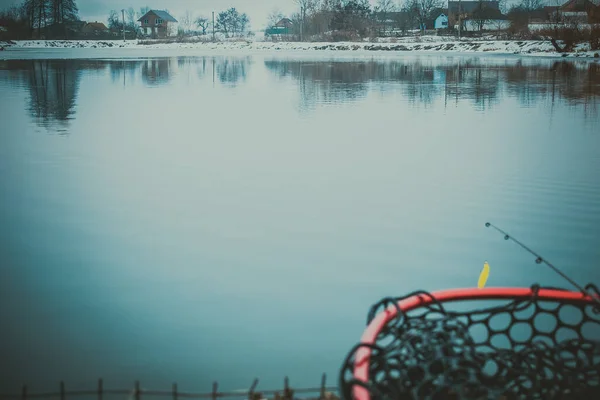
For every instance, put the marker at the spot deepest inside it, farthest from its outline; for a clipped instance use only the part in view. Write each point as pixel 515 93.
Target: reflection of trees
pixel 232 70
pixel 423 81
pixel 53 87
pixel 326 82
pixel 472 82
pixel 122 70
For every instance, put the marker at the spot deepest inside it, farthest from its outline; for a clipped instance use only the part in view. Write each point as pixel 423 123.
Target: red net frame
pixel 375 327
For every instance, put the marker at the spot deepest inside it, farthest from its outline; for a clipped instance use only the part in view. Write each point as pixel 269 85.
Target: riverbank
pixel 410 44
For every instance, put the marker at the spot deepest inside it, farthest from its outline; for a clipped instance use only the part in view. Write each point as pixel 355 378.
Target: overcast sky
pixel 257 10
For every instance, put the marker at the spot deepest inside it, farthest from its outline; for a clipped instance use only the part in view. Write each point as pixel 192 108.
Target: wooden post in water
pixel 252 388
pixel 100 389
pixel 175 391
pixel 215 389
pixel 24 392
pixel 323 386
pixel 137 390
pixel 288 394
pixel 62 390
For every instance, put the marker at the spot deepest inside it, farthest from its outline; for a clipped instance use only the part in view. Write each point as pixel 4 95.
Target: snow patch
pixel 412 44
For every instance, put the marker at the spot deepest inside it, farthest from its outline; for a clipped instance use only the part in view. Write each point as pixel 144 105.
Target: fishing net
pixel 531 343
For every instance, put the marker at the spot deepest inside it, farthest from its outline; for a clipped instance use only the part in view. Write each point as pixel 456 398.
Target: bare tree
pixel 202 23
pixel 483 14
pixel 63 10
pixel 143 11
pixel 423 9
pixel 186 21
pixel 503 5
pixel 383 9
pixel 306 7
pixel 131 20
pixel 385 6
pixel 274 17
pixel 38 13
pixel 531 5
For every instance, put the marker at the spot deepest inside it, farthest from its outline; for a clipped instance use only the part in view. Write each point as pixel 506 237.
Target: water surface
pixel 222 218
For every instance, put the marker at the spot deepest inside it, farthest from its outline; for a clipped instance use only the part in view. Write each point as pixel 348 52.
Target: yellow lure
pixel 483 277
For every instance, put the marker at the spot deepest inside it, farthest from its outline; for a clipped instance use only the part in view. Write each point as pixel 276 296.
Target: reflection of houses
pixel 156 72
pixel 157 24
pixel 283 27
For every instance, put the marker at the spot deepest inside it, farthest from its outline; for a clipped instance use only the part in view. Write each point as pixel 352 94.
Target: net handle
pixel 363 354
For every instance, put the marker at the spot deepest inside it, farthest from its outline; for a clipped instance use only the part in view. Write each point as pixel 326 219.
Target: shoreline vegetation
pixel 485 45
pixel 557 28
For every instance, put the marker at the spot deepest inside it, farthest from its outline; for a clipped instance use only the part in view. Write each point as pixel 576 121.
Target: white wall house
pixel 441 22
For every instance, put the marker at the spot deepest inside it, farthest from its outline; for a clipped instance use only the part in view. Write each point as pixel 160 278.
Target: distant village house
pixel 441 22
pixel 282 27
pixel 93 29
pixel 583 11
pixel 477 15
pixel 157 24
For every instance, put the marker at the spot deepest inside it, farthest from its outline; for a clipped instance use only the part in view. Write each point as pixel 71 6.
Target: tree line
pixel 353 19
pixel 51 18
pixel 34 16
pixel 230 22
pixel 348 19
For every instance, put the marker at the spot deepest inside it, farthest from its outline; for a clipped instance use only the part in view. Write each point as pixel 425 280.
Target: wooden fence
pixel 324 392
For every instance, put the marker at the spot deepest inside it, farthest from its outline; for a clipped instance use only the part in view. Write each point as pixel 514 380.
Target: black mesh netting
pixel 522 349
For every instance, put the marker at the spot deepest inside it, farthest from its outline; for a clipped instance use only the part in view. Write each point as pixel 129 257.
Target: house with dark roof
pixel 284 23
pixel 394 20
pixel 468 8
pixel 283 27
pixel 580 10
pixel 93 29
pixel 158 24
pixel 438 15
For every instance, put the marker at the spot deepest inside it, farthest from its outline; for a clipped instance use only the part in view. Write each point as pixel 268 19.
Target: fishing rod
pixel 540 260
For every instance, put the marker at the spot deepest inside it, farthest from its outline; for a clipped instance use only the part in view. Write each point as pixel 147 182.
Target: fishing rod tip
pixel 487 224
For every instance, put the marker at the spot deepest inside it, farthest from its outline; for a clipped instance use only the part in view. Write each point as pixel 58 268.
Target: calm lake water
pixel 224 218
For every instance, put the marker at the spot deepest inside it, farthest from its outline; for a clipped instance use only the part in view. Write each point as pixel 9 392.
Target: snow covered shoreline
pixel 425 44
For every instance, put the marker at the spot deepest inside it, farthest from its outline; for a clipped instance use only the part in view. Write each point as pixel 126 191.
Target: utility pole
pixel 301 23
pixel 213 25
pixel 459 20
pixel 123 13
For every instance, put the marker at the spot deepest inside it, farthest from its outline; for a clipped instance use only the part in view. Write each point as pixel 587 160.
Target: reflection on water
pixel 222 218
pixel 157 72
pixel 53 87
pixel 233 70
pixel 53 84
pixel 424 82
